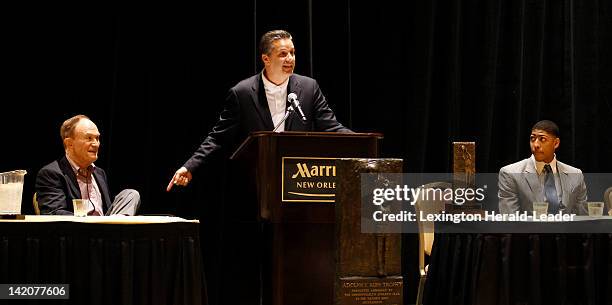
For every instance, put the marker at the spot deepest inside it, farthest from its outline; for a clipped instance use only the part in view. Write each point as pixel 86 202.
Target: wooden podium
pixel 295 179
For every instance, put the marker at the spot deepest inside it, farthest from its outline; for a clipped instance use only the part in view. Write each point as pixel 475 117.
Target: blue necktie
pixel 550 191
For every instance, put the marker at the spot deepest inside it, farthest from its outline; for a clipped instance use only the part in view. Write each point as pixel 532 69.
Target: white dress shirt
pixel 277 100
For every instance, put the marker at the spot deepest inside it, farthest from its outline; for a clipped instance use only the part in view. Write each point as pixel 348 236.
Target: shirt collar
pixel 270 86
pixel 540 165
pixel 74 166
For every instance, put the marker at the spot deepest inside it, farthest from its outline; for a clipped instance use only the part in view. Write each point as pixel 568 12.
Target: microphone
pixel 292 98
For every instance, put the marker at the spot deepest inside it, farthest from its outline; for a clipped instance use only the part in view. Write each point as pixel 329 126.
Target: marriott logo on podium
pixel 303 170
pixel 308 179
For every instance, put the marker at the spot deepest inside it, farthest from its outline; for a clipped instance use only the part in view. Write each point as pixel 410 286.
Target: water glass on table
pixel 80 207
pixel 539 208
pixel 595 209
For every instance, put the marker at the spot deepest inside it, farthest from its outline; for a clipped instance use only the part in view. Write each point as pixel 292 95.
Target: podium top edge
pixel 316 133
pixel 256 135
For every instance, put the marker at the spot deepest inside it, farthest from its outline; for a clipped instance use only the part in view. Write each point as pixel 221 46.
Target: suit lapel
pixel 293 87
pixel 70 176
pixel 531 176
pixel 258 94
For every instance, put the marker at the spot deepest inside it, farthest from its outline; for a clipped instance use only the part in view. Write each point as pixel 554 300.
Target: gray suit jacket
pixel 519 187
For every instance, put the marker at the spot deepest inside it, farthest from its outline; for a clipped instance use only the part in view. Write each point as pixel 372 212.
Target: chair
pixel 608 200
pixel 426 230
pixel 35 204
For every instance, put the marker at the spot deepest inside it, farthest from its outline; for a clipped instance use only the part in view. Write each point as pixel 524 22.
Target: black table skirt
pixel 105 263
pixel 520 269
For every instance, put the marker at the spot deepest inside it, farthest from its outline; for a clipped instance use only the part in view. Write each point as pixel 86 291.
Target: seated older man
pixel 75 176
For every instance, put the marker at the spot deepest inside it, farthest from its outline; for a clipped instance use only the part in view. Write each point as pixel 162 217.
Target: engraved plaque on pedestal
pixel 368 266
pixel 371 290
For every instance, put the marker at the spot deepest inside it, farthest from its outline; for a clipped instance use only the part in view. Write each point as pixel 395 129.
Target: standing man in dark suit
pixel 542 177
pixel 260 103
pixel 74 176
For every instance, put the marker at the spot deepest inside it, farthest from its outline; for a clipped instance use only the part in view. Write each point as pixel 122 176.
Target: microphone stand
pixel 296 104
pixel 289 110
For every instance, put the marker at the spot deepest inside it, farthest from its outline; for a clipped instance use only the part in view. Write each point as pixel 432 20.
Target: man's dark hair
pixel 265 44
pixel 548 126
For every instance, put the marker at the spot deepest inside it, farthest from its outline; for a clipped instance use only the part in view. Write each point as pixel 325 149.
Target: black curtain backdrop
pixel 424 73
